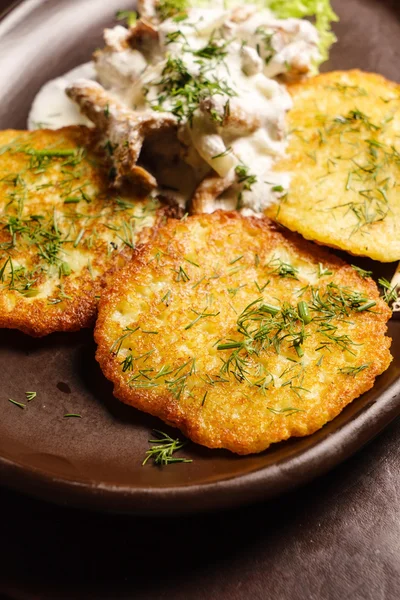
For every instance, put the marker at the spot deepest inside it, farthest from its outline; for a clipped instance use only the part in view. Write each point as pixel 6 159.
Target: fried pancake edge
pixel 76 306
pixel 300 210
pixel 242 439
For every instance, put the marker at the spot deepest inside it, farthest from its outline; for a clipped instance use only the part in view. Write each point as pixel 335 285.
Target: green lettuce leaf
pixel 320 10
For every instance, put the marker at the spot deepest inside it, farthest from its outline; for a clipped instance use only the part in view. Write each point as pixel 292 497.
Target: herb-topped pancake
pixel 344 161
pixel 61 229
pixel 240 334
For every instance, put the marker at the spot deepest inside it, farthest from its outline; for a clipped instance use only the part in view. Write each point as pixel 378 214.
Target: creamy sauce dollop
pixel 52 109
pixel 228 61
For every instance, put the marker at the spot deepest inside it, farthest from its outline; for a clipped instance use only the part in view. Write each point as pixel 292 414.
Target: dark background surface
pixel 336 538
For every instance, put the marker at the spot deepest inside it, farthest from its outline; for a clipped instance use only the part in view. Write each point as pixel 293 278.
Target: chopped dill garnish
pixel 163 449
pixel 30 396
pixel 127 363
pixel 283 269
pixel 200 315
pixel 235 290
pixel 389 292
pixel 228 150
pixel 357 117
pixel 129 16
pixel 191 262
pixel 244 177
pixel 261 288
pixel 265 327
pixel 172 8
pixel 181 92
pixel 322 271
pixel 117 345
pixel 353 371
pixel 181 275
pixel 19 404
pixel 173 378
pixel 266 38
pixel 362 272
pixel 235 260
pixel 304 314
pixel 166 299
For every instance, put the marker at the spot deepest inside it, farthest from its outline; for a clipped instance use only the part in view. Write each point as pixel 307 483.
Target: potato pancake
pixel 61 229
pixel 239 333
pixel 344 161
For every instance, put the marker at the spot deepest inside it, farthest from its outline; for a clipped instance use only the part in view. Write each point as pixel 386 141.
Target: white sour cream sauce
pixel 52 109
pixel 260 47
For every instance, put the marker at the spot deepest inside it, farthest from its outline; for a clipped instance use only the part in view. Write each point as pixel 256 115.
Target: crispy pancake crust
pixel 61 229
pixel 344 160
pixel 203 330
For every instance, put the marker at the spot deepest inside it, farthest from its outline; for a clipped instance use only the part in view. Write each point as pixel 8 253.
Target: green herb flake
pixel 362 272
pixel 389 291
pixel 163 449
pixel 19 404
pixel 130 17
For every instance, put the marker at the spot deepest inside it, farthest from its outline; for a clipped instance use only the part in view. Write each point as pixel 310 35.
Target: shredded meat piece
pixel 242 13
pixel 204 199
pixel 123 130
pixel 147 10
pixel 144 37
pixel 116 39
pixel 236 121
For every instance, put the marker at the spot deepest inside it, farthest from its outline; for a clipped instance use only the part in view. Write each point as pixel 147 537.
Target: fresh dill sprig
pixel 181 275
pixel 199 317
pixel 267 51
pixel 19 404
pixel 389 292
pixel 362 272
pixel 163 449
pixel 127 363
pixel 130 16
pixel 283 269
pixel 171 8
pixel 356 117
pixel 116 347
pixel 262 326
pixel 322 271
pixel 181 92
pixel 245 177
pixel 166 299
pixel 173 378
pixel 353 371
pixel 30 396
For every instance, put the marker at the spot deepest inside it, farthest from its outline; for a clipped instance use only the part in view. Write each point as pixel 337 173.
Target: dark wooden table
pixel 336 539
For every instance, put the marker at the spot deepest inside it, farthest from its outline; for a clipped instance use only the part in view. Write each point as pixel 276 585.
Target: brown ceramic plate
pixel 96 461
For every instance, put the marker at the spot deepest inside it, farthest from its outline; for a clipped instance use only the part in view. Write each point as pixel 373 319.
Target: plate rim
pixel 228 493
pixel 263 483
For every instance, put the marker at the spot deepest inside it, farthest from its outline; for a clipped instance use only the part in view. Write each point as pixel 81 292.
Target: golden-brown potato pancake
pixel 240 334
pixel 344 159
pixel 61 229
